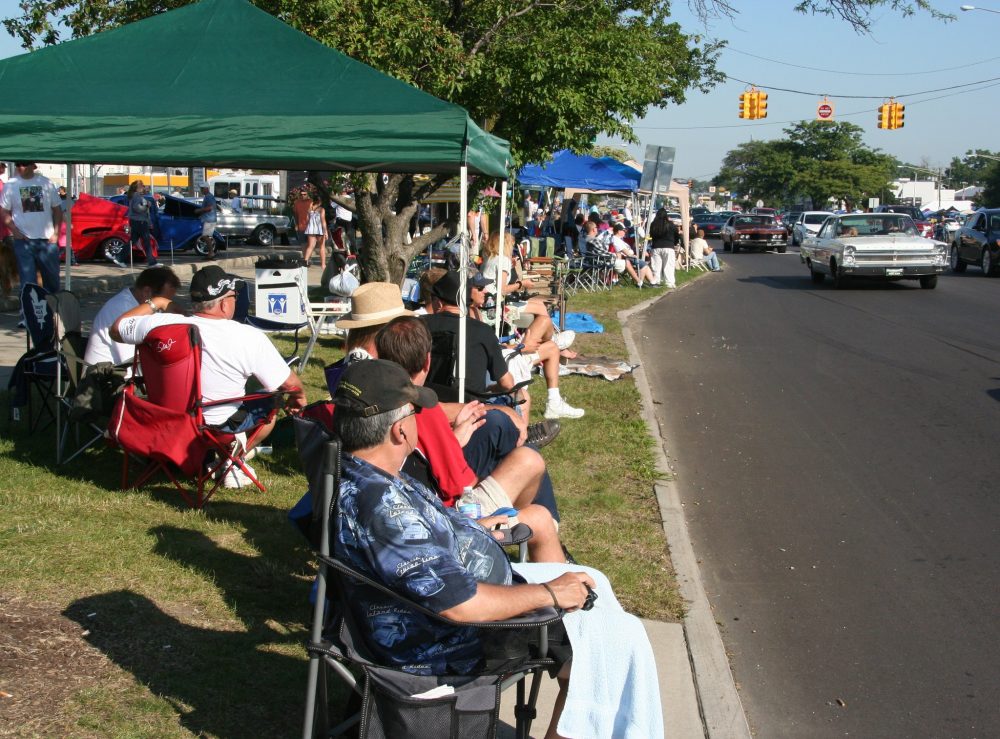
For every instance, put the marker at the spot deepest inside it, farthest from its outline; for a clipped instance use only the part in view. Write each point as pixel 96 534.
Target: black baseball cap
pixel 374 386
pixel 213 282
pixel 447 287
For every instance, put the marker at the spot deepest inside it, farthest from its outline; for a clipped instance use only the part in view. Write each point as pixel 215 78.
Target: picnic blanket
pixel 582 323
pixel 606 367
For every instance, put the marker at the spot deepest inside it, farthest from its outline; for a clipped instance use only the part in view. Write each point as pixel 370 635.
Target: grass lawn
pixel 125 614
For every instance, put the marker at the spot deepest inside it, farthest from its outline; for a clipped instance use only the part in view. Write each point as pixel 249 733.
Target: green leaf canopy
pixel 222 83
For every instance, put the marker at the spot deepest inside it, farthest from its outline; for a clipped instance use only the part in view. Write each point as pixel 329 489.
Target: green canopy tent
pixel 231 86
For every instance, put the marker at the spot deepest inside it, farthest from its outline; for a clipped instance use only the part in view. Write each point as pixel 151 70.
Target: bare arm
pixel 8 220
pixel 162 304
pixel 497 602
pixel 295 399
pixel 57 219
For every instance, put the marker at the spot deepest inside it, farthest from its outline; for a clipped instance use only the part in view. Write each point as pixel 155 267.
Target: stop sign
pixel 824 111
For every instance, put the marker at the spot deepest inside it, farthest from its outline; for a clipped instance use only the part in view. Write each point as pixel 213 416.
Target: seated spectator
pixel 231 353
pixel 397 532
pixel 502 430
pixel 156 282
pixel 439 462
pixel 499 270
pixel 483 355
pixel 637 268
pixel 701 250
pixel 520 362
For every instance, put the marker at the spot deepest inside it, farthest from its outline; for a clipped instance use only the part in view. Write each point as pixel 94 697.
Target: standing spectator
pixel 344 218
pixel 65 203
pixel 663 257
pixel 4 231
pixel 701 250
pixel 30 208
pixel 138 222
pixel 316 231
pixel 300 210
pixel 208 220
pixel 234 202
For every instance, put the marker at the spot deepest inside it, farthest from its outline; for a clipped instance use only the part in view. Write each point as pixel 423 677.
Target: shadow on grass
pixel 221 683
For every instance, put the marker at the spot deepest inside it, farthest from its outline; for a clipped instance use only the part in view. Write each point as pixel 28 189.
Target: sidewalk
pixel 698 695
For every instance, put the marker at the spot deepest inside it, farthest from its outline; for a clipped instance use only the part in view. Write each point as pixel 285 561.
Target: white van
pixel 265 186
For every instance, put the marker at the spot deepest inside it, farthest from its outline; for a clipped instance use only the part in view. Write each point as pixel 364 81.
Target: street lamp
pixel 973 7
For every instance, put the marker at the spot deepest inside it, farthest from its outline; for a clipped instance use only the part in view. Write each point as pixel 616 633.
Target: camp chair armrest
pixel 541 617
pixel 241 399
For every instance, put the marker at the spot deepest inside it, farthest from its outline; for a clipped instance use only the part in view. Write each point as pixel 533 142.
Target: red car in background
pixel 100 231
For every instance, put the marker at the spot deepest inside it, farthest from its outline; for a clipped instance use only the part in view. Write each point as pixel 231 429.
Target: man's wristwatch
pixel 152 305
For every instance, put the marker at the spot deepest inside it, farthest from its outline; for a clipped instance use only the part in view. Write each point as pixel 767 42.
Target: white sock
pixel 554 396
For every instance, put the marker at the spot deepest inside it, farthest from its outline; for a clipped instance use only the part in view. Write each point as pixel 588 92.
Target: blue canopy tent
pixel 580 172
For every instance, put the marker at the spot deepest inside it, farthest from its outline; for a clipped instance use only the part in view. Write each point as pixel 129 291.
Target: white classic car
pixel 882 245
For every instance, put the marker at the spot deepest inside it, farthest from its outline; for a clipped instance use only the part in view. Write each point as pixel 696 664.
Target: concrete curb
pixel 718 700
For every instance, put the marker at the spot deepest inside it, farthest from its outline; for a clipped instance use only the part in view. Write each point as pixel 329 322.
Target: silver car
pixel 255 222
pixel 807 224
pixel 882 245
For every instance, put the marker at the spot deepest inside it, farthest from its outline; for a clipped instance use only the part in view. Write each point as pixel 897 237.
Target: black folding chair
pixel 34 380
pixel 337 642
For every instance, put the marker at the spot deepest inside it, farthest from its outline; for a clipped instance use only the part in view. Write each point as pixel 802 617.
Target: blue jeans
pixel 139 233
pixel 38 255
pixel 712 260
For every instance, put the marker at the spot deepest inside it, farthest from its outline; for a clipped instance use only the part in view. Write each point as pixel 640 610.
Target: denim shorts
pixel 249 415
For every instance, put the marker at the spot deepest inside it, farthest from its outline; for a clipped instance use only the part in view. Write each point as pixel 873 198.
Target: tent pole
pixel 463 295
pixel 68 218
pixel 498 321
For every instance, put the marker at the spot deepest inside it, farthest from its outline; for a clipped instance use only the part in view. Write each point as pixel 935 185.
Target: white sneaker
pixel 564 339
pixel 562 409
pixel 237 478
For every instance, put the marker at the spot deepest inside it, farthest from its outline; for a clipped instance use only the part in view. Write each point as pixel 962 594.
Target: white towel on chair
pixel 613 687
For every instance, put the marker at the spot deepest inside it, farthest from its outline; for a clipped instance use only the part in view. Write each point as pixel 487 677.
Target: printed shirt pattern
pixel 397 532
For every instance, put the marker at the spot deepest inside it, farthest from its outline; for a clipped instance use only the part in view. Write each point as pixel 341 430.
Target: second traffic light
pixel 891 115
pixel 753 104
pixel 898 113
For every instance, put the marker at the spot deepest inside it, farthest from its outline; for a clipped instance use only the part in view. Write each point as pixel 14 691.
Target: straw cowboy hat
pixel 374 303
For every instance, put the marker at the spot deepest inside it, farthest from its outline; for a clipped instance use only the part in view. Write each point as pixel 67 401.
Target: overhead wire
pixel 858 97
pixel 798 120
pixel 861 74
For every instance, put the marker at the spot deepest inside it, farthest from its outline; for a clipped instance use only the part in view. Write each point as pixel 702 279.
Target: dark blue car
pixel 175 224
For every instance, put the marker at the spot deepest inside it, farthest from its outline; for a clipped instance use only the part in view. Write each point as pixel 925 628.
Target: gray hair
pixel 359 432
pixel 203 306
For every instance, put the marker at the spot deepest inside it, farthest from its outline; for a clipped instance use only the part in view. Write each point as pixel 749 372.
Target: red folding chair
pixel 167 428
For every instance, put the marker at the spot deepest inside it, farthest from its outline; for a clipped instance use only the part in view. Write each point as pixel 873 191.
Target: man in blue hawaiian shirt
pixel 395 530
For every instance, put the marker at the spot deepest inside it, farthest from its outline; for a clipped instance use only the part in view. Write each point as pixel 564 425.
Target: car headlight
pixel 744 236
pixel 848 255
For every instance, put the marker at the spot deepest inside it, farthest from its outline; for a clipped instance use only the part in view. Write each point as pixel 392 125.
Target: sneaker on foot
pixel 21 324
pixel 561 409
pixel 236 478
pixel 542 433
pixel 564 339
pixel 119 263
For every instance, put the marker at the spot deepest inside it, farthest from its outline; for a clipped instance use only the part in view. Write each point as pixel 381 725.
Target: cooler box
pixel 281 287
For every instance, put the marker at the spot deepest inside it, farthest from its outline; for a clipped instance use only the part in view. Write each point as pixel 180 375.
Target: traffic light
pixel 761 107
pixel 884 116
pixel 745 104
pixel 898 113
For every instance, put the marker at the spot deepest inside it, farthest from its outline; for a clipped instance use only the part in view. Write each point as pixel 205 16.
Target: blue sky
pixel 906 51
pixel 910 48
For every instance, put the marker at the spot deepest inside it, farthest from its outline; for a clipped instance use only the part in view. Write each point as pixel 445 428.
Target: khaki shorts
pixel 490 497
pixel 207 229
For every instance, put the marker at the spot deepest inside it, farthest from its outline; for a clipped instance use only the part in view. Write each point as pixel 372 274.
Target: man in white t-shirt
pixel 230 352
pixel 30 208
pixel 151 283
pixel 701 250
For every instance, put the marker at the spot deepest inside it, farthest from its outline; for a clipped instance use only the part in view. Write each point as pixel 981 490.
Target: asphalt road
pixel 838 460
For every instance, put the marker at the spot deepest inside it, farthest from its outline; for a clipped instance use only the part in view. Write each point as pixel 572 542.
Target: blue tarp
pixel 582 323
pixel 580 172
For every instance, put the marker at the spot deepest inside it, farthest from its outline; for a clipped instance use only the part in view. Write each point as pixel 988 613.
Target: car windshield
pixel 815 218
pixel 754 221
pixel 875 224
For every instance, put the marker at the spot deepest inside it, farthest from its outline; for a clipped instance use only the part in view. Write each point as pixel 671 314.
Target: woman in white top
pixel 499 268
pixel 316 231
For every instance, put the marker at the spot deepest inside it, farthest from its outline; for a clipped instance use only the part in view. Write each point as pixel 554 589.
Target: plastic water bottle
pixel 470 509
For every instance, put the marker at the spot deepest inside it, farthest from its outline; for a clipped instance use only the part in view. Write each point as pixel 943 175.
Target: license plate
pixel 894 272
